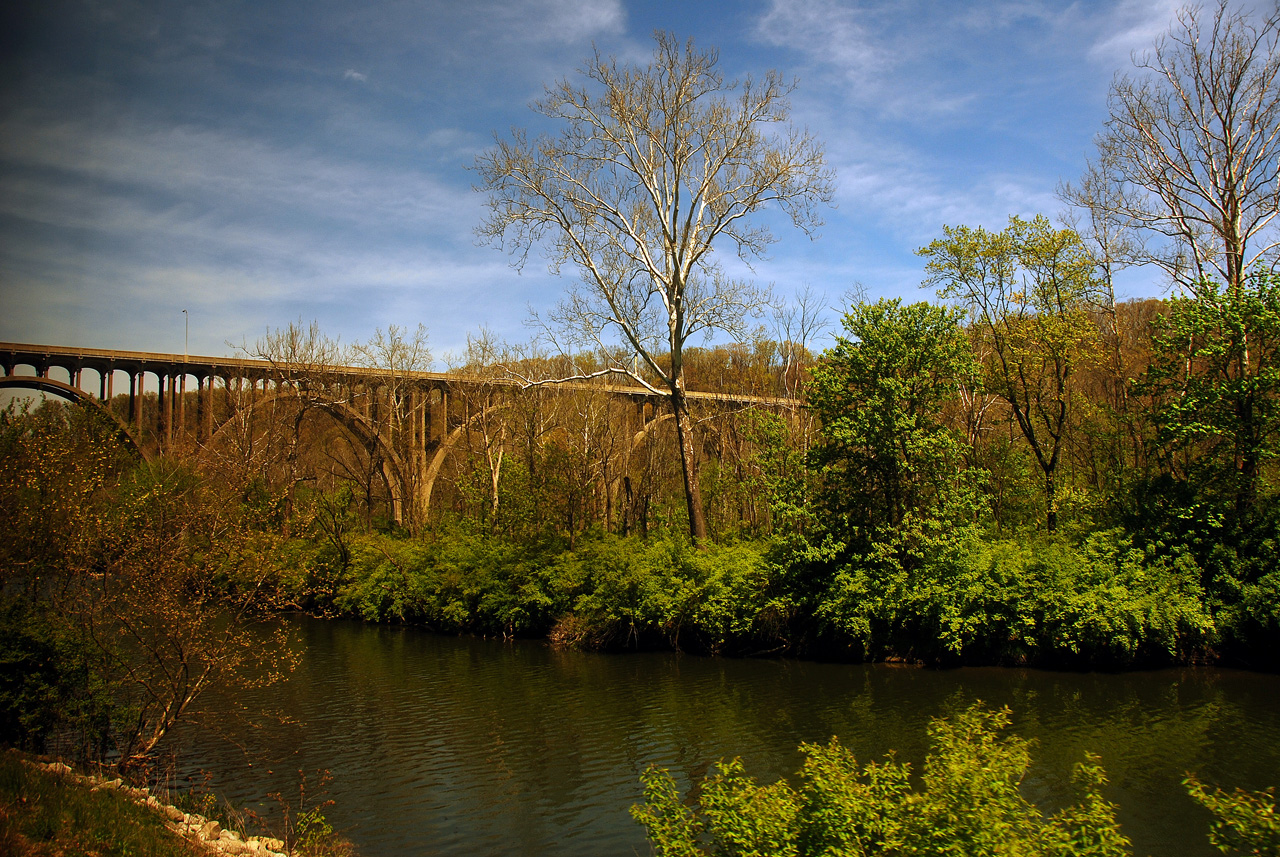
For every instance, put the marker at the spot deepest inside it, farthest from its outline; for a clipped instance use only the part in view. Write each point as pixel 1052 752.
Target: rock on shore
pixel 191 826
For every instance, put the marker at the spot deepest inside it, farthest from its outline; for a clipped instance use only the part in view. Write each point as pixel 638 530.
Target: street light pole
pixel 186 334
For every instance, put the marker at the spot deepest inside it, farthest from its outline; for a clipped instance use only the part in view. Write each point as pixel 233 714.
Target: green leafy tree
pixel 1217 370
pixel 1027 290
pixel 1244 822
pixel 888 458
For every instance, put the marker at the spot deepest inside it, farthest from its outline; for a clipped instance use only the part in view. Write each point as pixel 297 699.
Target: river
pixel 458 746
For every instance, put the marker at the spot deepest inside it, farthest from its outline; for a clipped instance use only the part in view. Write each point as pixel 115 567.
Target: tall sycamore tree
pixel 1187 175
pixel 653 168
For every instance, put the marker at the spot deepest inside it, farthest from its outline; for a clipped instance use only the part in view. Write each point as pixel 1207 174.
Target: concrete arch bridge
pixel 408 423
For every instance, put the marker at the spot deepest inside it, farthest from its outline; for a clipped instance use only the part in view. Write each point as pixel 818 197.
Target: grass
pixel 46 814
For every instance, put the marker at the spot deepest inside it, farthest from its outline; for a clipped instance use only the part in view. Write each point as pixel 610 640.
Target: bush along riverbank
pixel 1093 601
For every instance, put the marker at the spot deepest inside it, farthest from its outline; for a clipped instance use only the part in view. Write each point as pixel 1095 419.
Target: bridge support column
pixel 169 411
pixel 418 405
pixel 201 407
pixel 161 401
pixel 182 405
pixel 135 399
pixel 440 415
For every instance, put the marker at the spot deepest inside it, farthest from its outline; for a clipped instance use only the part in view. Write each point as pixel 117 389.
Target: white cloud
pixel 834 32
pixel 1131 27
pixel 148 217
pixel 878 56
pixel 560 21
pixel 352 74
pixel 223 175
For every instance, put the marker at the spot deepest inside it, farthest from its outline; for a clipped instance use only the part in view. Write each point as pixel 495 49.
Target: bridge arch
pixel 392 469
pixel 79 397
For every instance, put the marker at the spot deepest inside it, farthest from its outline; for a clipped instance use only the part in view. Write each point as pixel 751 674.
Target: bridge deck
pixel 73 359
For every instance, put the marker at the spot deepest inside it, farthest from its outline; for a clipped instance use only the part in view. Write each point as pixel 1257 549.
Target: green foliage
pixel 50 684
pixel 1244 822
pixel 890 465
pixel 968 803
pixel 607 591
pixel 1216 368
pixel 313 829
pixel 1042 600
pixel 782 475
pixel 1027 291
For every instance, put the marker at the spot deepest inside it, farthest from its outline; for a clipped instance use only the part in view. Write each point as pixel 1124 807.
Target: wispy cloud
pixel 836 33
pixel 1131 27
pixel 352 74
pixel 146 216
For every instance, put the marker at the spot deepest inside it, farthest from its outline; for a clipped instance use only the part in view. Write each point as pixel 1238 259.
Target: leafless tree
pixel 797 324
pixel 394 354
pixel 1191 155
pixel 653 165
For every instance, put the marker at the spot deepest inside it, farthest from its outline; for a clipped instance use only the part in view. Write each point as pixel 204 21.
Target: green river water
pixel 458 746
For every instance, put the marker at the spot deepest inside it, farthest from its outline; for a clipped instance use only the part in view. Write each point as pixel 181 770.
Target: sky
pixel 258 162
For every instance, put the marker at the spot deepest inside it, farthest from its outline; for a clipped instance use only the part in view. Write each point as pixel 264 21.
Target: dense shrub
pixel 1046 600
pixel 51 686
pixel 968 802
pixel 606 592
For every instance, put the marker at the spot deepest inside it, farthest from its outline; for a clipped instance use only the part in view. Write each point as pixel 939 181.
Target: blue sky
pixel 260 162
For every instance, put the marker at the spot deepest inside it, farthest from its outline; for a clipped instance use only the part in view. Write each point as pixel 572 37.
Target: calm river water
pixel 457 746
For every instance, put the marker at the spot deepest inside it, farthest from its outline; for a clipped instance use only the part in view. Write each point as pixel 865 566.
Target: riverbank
pixel 47 808
pixel 1093 601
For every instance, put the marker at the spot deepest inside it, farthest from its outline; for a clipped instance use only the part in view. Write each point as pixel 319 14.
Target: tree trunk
pixel 1051 501
pixel 689 466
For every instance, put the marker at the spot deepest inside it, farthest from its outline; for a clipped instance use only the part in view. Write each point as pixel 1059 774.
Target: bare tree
pixel 1191 153
pixel 652 167
pixel 482 403
pixel 395 354
pixel 797 324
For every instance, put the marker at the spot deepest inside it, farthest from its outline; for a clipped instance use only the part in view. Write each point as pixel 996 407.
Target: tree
pixel 268 441
pixel 797 324
pixel 653 166
pixel 1191 152
pixel 1027 290
pixel 176 603
pixel 1217 368
pixel 148 596
pixel 395 355
pixel 887 457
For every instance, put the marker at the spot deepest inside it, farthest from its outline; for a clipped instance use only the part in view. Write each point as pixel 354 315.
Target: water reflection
pixel 448 746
